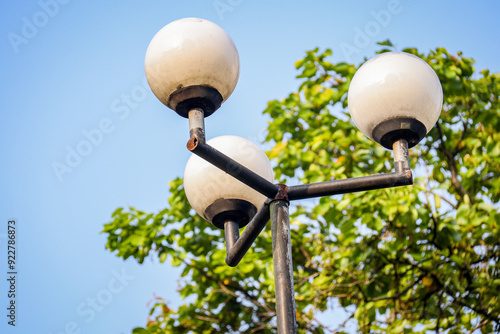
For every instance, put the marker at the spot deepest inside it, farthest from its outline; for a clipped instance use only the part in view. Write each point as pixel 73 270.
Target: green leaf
pixel 386 43
pixel 437 201
pixel 163 257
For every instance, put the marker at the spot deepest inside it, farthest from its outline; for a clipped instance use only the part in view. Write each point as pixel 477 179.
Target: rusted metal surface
pixel 282 192
pixel 192 143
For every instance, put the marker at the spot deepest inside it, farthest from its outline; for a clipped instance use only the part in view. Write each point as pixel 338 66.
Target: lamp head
pixel 395 96
pixel 192 63
pixel 216 195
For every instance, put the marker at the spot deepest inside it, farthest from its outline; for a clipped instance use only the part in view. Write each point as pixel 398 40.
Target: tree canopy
pixel 410 259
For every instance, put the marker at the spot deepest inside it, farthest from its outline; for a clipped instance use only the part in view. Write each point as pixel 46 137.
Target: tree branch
pixel 450 159
pixel 233 286
pixel 399 294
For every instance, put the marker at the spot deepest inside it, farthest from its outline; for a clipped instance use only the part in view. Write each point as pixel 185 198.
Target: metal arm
pixel 345 186
pixel 276 208
pixel 232 167
pixel 238 246
pixel 401 177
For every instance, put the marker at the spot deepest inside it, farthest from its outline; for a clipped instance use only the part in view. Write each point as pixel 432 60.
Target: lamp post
pixel 192 66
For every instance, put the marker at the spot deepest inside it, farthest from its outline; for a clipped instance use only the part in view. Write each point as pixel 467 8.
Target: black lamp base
pixel 388 132
pixel 187 98
pixel 237 210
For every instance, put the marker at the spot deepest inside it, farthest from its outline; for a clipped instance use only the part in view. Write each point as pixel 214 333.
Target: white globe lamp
pixel 192 63
pixel 217 196
pixel 395 96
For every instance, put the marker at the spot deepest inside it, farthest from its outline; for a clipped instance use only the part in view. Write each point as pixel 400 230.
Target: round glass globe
pixel 393 95
pixel 205 184
pixel 192 52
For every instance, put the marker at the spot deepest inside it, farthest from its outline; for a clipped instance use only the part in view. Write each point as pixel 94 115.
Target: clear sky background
pixel 69 67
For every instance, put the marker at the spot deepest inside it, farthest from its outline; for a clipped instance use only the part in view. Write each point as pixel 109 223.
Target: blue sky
pixel 73 70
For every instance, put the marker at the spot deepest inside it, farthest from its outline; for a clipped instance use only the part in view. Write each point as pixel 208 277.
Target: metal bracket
pixel 276 208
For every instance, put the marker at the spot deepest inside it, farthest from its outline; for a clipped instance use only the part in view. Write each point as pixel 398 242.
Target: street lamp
pixel 192 66
pixel 394 96
pixel 192 63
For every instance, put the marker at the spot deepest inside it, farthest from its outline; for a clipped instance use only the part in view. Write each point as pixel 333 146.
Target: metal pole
pixel 401 156
pixel 197 123
pixel 283 269
pixel 231 232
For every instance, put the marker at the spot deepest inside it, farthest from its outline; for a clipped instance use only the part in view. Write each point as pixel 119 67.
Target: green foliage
pixel 408 259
